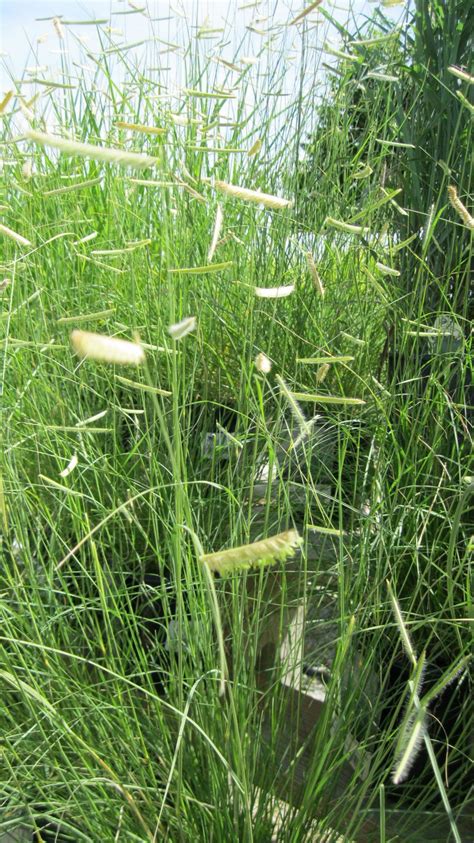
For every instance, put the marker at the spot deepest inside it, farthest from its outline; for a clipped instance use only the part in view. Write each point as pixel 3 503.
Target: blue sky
pixel 20 27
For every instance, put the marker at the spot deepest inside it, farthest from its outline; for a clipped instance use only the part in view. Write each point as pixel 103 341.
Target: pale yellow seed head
pixel 6 99
pixel 345 226
pixel 305 12
pixel 264 552
pixel 216 233
pixel 458 206
pixel 13 235
pixel 59 29
pixel 88 150
pixel 70 466
pixel 255 148
pixel 363 172
pixel 318 284
pixel 387 270
pixel 274 292
pixel 107 349
pixel 265 199
pixel 322 372
pixel 27 170
pixel 28 114
pixel 263 364
pixel 181 329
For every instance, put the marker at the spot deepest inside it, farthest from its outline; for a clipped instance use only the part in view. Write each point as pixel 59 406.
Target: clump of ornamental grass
pixel 115 689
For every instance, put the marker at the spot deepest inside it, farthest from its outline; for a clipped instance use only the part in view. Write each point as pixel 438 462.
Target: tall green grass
pixel 116 729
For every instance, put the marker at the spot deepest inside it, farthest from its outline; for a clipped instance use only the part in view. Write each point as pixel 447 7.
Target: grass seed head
pixel 295 408
pixel 181 329
pixel 70 466
pixel 58 28
pixel 4 102
pixel 458 206
pixel 274 292
pixel 27 170
pixel 412 740
pixel 263 364
pixel 322 372
pixel 305 12
pixel 318 284
pixel 13 235
pixel 255 148
pixel 363 172
pixel 264 552
pixel 87 150
pixel 215 233
pixel 387 270
pixel 265 199
pixel 346 226
pixel 461 74
pixel 107 349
